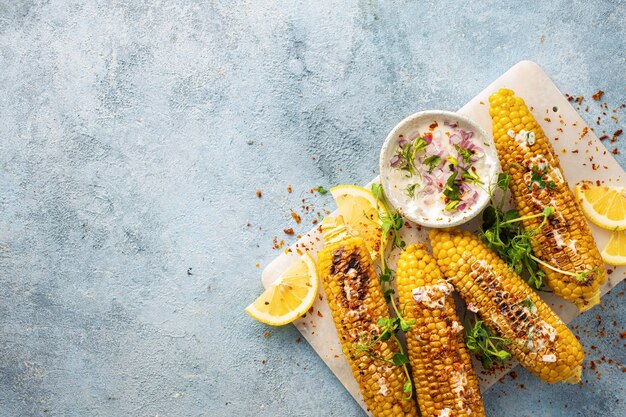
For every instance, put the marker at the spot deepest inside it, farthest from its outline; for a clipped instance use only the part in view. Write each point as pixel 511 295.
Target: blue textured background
pixel 133 139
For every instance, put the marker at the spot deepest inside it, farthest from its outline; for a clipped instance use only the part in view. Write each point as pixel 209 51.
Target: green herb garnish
pixel 452 191
pixel 470 176
pixel 432 162
pixel 485 344
pixel 537 177
pixel 407 155
pixel 466 154
pixel 322 190
pixel 410 190
pixel 503 233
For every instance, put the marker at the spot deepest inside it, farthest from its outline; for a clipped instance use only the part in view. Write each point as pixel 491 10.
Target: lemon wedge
pixel 604 205
pixel 289 297
pixel 359 216
pixel 614 252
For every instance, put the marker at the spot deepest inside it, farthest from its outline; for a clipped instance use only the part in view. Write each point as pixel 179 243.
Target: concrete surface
pixel 134 136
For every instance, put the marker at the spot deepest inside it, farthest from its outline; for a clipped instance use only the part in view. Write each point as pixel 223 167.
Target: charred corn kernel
pixel 540 341
pixel 565 242
pixel 357 303
pixel 443 375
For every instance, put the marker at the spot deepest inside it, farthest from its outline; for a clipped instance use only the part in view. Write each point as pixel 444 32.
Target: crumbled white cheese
pixel 530 138
pixel 457 327
pixel 384 390
pixel 471 307
pixel 511 133
pixel 432 296
pixel 549 358
pixel 444 413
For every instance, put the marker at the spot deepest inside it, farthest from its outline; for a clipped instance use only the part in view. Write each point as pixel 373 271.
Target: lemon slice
pixel 289 297
pixel 357 206
pixel 602 204
pixel 614 252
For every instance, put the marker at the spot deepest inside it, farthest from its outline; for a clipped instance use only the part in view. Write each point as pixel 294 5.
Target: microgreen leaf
pixel 488 347
pixel 503 181
pixel 400 359
pixel 322 190
pixel 408 386
pixel 406 325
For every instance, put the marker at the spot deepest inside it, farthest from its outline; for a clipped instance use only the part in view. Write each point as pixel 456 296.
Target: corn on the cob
pixel 357 303
pixel 539 339
pixel 445 382
pixel 537 181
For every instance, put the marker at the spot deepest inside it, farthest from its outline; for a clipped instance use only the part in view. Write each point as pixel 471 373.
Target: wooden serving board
pixel 552 111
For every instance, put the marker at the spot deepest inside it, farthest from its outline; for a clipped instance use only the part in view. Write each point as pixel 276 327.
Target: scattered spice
pixel 597 95
pixel 259 193
pixel 615 151
pixel 289 188
pixel 584 132
pixel 266 334
pixel 288 231
pixel 296 217
pixel 298 340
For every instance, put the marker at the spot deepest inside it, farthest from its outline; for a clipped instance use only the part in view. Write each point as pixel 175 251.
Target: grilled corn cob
pixel 357 303
pixel 565 242
pixel 445 382
pixel 539 339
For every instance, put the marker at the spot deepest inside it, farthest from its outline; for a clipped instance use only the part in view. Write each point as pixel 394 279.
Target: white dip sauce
pixel 419 174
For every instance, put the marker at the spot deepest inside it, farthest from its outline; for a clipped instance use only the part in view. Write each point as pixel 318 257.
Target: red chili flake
pixel 615 151
pixel 597 95
pixel 433 125
pixel 584 132
pixel 259 193
pixel 513 374
pixel 579 100
pixel 296 216
pixel 622 335
pixel 617 132
pixel 575 151
pixel 569 98
pixel 314 221
pixel 288 231
pixel 603 137
pixel 266 334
